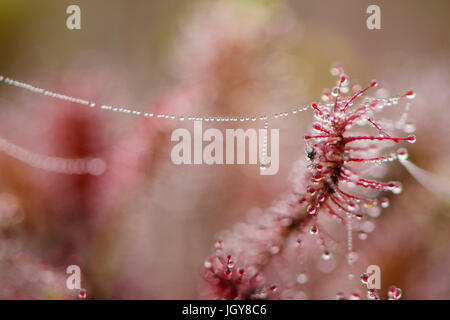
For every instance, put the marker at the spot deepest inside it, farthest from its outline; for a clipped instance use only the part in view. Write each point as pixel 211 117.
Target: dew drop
pixel 317 127
pixel 302 278
pixel 207 265
pixel 374 211
pixel 317 176
pixel 368 204
pixel 372 294
pixel 230 263
pixel 412 139
pixel 352 206
pixel 310 190
pixel 273 287
pixel 352 257
pixel 274 249
pixel 362 235
pixel 326 255
pixel 82 294
pixel 374 83
pixel 340 296
pixel 335 92
pixel 397 188
pixel 260 295
pixel 218 244
pixel 397 294
pixel 384 202
pixel 311 210
pixel 344 79
pixel 410 95
pixel 394 293
pixel 368 226
pixel 321 197
pixel 402 154
pixel 336 69
pixel 364 278
pixel 314 230
pixel 391 290
pixel 355 296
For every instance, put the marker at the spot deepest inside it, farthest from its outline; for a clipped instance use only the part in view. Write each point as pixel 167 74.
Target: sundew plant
pixel 340 161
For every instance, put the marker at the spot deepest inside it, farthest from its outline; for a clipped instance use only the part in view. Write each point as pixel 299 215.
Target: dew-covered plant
pixel 336 181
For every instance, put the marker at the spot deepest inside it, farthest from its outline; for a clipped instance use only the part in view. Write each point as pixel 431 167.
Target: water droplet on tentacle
pixel 314 230
pixel 384 202
pixel 394 293
pixel 364 278
pixel 218 244
pixel 412 139
pixel 311 210
pixel 344 79
pixel 326 255
pixel 396 187
pixel 82 294
pixel 410 94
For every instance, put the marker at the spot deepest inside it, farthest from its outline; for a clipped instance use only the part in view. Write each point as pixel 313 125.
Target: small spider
pixel 330 190
pixel 336 173
pixel 311 154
